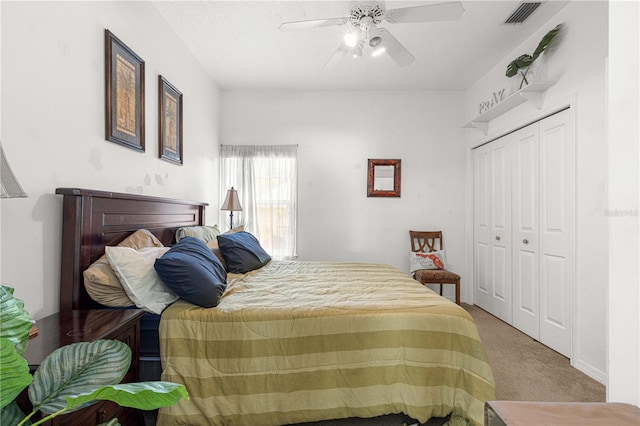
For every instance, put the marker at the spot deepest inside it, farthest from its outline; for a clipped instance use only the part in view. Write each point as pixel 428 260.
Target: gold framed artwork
pixel 383 178
pixel 170 121
pixel 124 97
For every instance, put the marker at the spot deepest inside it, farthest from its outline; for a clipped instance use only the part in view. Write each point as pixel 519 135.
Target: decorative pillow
pixel 134 269
pixel 431 260
pixel 101 282
pixel 204 233
pixel 242 252
pixel 193 272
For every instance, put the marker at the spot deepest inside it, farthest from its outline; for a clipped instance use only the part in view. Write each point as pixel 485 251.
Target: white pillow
pixel 431 260
pixel 134 269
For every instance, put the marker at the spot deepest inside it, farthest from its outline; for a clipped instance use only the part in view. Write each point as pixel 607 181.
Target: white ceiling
pixel 241 47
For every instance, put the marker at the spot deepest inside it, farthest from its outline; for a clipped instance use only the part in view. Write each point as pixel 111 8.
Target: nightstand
pixel 68 327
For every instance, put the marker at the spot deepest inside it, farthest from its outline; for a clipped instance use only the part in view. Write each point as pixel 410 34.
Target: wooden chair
pixel 425 242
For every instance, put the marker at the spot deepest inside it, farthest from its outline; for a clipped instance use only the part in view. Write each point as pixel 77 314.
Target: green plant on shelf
pixel 71 377
pixel 523 63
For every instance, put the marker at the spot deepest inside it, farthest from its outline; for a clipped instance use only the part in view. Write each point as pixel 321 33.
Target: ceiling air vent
pixel 522 12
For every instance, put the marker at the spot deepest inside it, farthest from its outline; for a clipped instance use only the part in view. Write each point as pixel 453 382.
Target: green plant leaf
pixel 112 422
pixel 77 369
pixel 520 62
pixel 12 415
pixel 523 61
pixel 15 321
pixel 546 42
pixel 14 372
pixel 142 395
pixel 512 69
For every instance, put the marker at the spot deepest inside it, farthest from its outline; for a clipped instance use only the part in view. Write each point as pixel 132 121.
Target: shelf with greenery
pixel 531 91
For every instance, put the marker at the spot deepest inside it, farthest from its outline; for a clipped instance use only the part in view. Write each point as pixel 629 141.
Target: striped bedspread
pixel 295 342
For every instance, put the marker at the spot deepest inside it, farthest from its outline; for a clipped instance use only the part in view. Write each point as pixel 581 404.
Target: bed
pixel 291 342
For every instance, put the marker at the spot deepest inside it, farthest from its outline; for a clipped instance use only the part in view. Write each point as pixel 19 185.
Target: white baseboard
pixel 590 371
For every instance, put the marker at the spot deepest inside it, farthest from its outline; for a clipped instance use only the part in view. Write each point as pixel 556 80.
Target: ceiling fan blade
pixel 426 13
pixel 395 49
pixel 313 23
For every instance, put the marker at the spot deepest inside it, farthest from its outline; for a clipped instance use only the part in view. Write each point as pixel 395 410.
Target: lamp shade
pixel 10 186
pixel 231 202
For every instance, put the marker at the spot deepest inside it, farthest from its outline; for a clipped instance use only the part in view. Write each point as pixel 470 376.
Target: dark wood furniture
pixel 92 220
pixel 67 327
pixel 429 241
pixel 95 219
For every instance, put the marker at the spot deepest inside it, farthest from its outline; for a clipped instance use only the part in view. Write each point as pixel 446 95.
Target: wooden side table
pixel 68 327
pixel 514 413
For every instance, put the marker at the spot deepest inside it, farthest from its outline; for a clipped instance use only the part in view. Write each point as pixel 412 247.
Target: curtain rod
pixel 292 144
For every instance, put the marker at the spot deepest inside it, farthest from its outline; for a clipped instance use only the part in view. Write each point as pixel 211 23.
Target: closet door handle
pixel 497 237
pixel 525 241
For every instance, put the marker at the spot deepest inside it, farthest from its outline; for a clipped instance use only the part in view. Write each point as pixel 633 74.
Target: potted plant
pixel 523 63
pixel 70 378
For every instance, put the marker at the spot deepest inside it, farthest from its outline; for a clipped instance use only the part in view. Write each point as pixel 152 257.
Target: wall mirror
pixel 383 178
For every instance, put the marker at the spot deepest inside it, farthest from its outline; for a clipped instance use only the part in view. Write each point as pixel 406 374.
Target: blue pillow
pixel 242 252
pixel 193 272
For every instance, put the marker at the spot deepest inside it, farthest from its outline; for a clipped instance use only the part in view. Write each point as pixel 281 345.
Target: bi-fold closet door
pixel 522 230
pixel 492 229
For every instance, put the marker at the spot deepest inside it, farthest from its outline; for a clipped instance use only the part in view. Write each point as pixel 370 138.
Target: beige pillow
pixel 213 245
pixel 101 282
pixel 204 233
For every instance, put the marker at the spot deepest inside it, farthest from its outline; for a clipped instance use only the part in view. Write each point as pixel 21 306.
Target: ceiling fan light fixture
pixel 375 39
pixel 362 30
pixel 350 39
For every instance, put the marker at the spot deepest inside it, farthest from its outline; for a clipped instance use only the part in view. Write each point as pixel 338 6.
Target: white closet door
pixel 482 227
pixel 556 275
pixel 526 260
pixel 523 221
pixel 501 296
pixel 492 229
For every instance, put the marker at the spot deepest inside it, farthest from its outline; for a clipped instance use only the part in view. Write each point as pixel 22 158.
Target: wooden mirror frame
pixel 371 191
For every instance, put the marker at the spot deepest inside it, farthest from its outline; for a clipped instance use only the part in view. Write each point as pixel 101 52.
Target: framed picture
pixel 383 178
pixel 170 121
pixel 124 76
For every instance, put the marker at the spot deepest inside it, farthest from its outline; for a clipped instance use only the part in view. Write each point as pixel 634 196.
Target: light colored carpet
pixel 526 370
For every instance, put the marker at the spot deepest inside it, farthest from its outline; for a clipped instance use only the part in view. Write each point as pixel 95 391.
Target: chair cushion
pixel 430 260
pixel 436 276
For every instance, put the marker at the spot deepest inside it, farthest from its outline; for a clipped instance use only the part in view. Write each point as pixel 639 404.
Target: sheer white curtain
pixel 265 177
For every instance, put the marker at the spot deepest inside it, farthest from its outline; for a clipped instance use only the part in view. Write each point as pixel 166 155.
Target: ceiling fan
pixel 363 31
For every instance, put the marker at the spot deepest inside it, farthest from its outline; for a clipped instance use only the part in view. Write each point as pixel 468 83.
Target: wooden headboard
pixel 92 220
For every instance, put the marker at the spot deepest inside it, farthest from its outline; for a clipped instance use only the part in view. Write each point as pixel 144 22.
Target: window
pixel 265 177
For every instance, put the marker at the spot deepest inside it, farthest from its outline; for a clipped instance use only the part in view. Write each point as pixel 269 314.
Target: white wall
pixel 53 126
pixel 623 375
pixel 337 132
pixel 577 64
